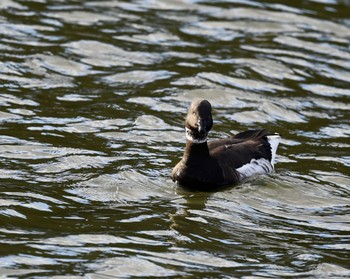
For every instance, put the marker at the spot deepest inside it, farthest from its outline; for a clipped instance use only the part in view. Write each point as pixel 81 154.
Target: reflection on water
pixel 92 101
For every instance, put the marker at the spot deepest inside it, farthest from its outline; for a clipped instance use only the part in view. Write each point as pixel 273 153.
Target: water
pixel 92 100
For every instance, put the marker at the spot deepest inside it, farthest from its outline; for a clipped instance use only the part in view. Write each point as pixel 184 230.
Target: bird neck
pixel 196 151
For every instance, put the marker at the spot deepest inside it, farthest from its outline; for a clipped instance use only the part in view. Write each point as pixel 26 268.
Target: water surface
pixel 92 100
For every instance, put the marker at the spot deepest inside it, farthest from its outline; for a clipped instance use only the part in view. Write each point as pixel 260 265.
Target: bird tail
pixel 273 140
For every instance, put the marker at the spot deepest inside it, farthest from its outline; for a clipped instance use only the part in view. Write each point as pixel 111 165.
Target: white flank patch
pixel 273 140
pixel 260 166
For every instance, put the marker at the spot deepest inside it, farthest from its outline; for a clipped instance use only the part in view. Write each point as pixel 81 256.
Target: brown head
pixel 198 121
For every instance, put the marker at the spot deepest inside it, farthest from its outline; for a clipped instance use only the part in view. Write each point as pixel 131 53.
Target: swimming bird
pixel 209 165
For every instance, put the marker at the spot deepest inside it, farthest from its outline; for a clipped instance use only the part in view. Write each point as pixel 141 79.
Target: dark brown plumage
pixel 209 165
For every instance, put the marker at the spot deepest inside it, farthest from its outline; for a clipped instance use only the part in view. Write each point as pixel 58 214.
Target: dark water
pixel 93 95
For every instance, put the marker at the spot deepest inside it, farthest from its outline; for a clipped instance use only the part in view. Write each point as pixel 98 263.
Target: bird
pixel 210 165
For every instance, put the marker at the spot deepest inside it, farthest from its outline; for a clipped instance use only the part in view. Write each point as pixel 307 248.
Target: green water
pixel 93 95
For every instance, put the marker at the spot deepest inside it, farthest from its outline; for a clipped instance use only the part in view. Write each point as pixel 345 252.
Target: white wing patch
pixel 259 166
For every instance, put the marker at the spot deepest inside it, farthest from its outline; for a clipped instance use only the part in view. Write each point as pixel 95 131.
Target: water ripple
pixel 109 55
pixel 138 77
pixel 93 97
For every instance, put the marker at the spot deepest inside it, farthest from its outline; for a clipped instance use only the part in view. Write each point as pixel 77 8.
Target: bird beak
pixel 202 124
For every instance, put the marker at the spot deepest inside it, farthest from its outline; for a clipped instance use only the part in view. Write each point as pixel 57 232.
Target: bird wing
pixel 238 150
